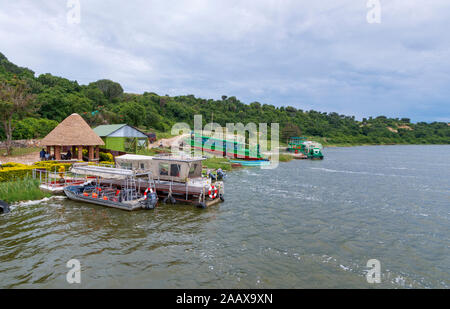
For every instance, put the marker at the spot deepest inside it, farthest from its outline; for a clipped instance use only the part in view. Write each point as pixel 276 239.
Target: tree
pixel 290 130
pixel 110 89
pixel 16 101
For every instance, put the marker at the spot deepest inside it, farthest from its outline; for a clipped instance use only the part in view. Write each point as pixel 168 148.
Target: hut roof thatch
pixel 72 131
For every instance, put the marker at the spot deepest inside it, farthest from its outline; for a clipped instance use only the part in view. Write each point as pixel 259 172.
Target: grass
pixel 153 151
pixel 20 151
pixel 216 163
pixel 21 190
pixel 160 135
pixel 285 157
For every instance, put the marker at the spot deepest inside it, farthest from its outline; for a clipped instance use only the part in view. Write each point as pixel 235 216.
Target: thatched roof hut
pixel 74 132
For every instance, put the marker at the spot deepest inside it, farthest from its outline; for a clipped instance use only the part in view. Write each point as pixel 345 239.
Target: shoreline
pixel 358 145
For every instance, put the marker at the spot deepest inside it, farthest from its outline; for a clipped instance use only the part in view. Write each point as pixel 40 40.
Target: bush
pixel 15 173
pixel 52 165
pixel 103 162
pixel 106 157
pixel 29 128
pixel 12 164
pixel 108 163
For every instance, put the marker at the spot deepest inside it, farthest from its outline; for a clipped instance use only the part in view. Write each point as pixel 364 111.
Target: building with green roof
pixel 122 137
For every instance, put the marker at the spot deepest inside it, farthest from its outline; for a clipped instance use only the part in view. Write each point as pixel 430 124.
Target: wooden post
pixel 80 153
pixel 57 152
pixel 97 153
pixel 91 153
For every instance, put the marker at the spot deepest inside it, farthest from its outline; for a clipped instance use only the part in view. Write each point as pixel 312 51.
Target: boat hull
pixel 69 192
pixel 251 163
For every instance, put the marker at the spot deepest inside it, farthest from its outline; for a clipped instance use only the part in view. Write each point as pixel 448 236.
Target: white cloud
pixel 321 55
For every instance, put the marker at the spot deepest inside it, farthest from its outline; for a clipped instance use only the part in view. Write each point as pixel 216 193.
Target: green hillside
pixel 104 102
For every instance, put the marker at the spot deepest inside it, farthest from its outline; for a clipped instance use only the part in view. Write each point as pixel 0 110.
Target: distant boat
pixel 301 145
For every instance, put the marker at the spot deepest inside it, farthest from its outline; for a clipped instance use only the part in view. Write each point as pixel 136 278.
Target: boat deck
pixel 130 206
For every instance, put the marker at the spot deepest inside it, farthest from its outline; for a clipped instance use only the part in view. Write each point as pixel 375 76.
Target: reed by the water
pixel 285 157
pixel 21 190
pixel 215 163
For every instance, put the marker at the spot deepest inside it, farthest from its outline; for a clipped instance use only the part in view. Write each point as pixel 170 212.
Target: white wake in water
pixel 31 203
pixel 353 172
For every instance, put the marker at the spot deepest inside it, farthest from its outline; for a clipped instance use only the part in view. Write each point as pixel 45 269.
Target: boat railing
pixel 56 179
pixel 93 164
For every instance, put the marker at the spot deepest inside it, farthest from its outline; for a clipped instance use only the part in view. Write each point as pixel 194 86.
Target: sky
pixel 321 55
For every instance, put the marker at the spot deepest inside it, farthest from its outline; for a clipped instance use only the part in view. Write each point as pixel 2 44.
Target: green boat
pixel 254 163
pixel 226 148
pixel 295 144
pixel 313 150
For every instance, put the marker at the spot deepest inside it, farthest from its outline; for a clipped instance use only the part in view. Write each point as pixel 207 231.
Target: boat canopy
pixel 165 167
pixel 104 172
pixel 179 158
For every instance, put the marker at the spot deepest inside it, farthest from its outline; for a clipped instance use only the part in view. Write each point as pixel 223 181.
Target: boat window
pixel 142 166
pixel 192 170
pixel 175 170
pixel 126 166
pixel 164 169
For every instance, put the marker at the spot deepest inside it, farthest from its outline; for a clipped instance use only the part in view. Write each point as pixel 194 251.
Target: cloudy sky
pixel 321 55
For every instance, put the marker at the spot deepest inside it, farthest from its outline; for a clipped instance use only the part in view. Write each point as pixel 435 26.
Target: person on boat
pixel 69 155
pixel 47 156
pixel 220 174
pixel 42 154
pixel 211 175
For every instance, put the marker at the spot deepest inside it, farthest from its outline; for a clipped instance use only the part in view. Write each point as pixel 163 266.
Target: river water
pixel 306 224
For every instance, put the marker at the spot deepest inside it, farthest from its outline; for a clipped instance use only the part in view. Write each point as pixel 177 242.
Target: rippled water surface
pixel 306 224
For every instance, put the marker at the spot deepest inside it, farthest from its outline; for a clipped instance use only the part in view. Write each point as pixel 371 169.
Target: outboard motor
pixel 4 207
pixel 150 202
